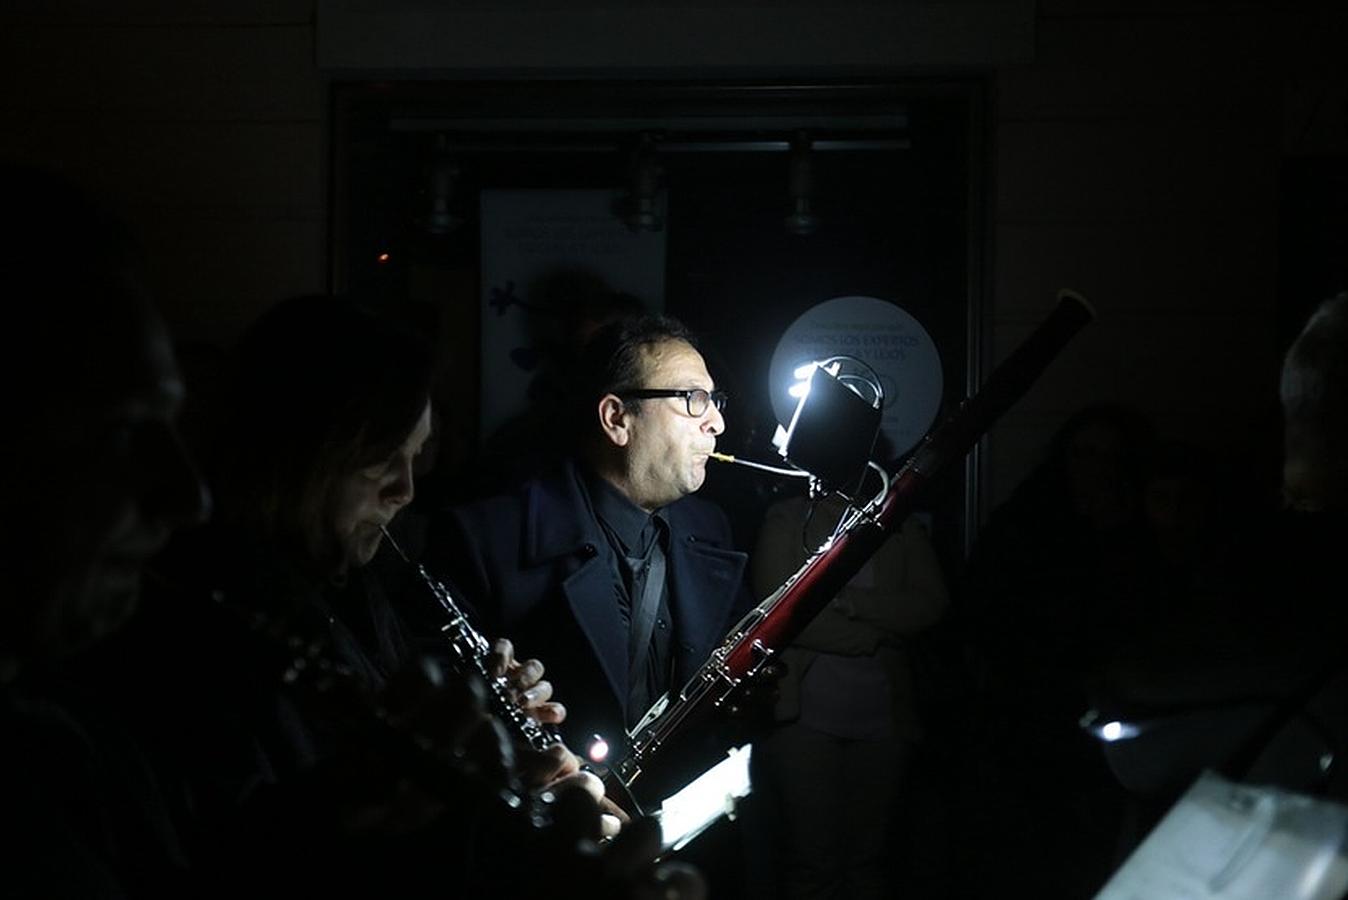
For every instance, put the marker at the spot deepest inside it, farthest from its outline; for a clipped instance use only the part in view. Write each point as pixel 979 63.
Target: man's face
pixel 667 449
pixel 366 500
pixel 103 482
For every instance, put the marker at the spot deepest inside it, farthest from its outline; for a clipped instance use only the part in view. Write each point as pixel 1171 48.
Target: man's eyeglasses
pixel 696 399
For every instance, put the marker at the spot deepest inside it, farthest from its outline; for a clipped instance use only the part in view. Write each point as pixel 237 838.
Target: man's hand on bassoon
pixel 755 699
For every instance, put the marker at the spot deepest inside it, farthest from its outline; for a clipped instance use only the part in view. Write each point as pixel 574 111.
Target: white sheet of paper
pixel 685 814
pixel 1228 840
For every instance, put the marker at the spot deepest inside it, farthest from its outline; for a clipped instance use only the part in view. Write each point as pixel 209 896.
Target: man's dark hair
pixel 1315 373
pixel 317 388
pixel 1314 394
pixel 612 359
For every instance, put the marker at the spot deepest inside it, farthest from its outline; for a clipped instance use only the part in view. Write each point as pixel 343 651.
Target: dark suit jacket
pixel 533 564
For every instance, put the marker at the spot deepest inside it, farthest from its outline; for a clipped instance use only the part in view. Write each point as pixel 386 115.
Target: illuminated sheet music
pixel 1228 840
pixel 684 815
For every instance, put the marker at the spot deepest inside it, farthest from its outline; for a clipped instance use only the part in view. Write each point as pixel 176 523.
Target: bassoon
pixel 777 620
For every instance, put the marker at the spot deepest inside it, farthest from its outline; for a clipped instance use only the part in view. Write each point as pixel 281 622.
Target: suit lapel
pixel 589 593
pixel 559 525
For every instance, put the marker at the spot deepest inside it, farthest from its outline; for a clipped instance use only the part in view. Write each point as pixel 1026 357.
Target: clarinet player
pixel 309 444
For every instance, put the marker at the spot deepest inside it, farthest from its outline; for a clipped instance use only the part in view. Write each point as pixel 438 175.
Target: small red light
pixel 383 257
pixel 598 749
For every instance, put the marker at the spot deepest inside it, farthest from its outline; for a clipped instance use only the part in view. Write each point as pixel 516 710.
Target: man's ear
pixel 613 420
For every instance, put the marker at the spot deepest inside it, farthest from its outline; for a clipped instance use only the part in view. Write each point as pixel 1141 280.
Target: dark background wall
pixel 1180 163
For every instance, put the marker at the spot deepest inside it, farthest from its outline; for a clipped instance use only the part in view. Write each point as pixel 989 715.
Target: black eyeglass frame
pixel 714 398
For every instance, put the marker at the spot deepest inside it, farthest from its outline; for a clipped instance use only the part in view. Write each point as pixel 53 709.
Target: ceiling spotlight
pixel 641 209
pixel 444 178
pixel 800 185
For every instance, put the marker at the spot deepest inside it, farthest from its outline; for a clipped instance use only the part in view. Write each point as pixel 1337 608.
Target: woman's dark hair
pixel 317 388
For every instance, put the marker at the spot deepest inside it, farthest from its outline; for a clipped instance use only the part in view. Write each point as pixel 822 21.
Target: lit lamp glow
pixel 833 426
pixel 598 749
pixel 1117 731
pixel 802 374
pixel 1110 731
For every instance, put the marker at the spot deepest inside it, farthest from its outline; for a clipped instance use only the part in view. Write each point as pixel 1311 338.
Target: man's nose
pixel 713 421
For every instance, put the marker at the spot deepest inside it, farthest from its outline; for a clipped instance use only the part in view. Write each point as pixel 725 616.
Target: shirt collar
pixel 623 517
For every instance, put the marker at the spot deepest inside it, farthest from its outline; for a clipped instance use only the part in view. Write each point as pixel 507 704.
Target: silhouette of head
pixel 93 477
pixel 1314 393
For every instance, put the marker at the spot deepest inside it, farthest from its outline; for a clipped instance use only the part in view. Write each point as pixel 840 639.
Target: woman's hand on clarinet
pixel 629 871
pixel 558 770
pixel 525 680
pixel 624 864
pixel 574 860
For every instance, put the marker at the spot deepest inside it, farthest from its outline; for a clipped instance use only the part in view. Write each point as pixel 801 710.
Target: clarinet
pixel 471 650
